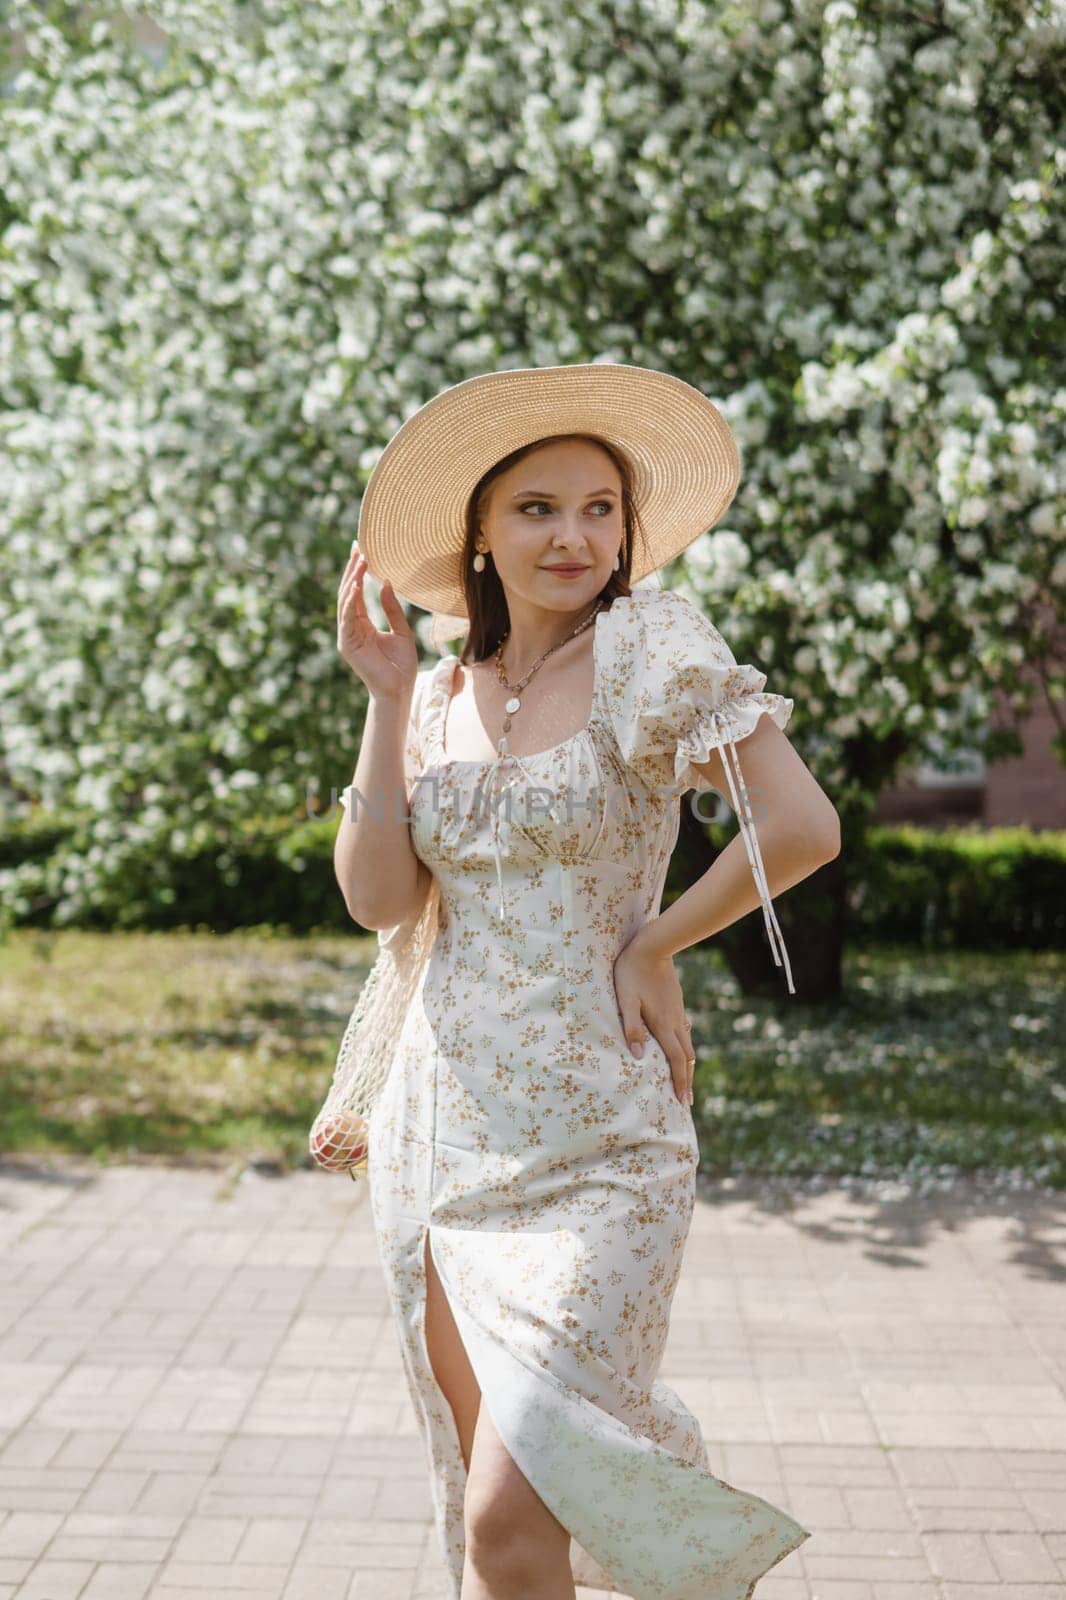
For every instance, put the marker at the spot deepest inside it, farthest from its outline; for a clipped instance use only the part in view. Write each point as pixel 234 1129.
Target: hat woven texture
pixel 412 523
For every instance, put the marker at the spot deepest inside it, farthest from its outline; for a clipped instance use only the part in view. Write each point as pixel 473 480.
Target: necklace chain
pixel 514 703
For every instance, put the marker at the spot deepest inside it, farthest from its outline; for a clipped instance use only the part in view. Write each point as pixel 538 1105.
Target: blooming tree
pixel 229 269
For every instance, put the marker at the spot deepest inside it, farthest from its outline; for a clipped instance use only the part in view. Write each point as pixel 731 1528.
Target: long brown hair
pixel 486 603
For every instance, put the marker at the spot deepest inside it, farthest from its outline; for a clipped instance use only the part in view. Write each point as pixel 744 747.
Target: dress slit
pixel 440 1433
pixel 450 1516
pixel 624 1487
pixel 427 1249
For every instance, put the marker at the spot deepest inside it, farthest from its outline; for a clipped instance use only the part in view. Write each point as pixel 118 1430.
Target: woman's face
pixel 560 504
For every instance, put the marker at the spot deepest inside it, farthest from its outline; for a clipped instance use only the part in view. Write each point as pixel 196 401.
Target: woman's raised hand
pixel 386 662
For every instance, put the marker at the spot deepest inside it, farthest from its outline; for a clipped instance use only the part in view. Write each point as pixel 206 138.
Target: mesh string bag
pixel 339 1137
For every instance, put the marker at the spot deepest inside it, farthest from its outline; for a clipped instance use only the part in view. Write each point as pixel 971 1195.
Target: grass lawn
pixel 123 1046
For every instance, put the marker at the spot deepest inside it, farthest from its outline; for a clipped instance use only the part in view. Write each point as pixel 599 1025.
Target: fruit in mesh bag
pixel 338 1139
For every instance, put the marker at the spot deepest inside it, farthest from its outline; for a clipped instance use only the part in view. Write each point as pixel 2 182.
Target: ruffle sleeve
pixel 674 692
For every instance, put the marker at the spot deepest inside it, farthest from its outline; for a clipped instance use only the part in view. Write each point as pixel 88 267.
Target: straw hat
pixel 412 523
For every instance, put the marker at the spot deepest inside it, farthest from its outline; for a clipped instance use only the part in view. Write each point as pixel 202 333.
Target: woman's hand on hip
pixel 650 1000
pixel 386 662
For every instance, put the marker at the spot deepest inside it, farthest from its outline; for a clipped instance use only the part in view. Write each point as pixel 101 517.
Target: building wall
pixel 1031 788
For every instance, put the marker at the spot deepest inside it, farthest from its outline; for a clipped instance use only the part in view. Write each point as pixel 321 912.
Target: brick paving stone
pixel 1002 1591
pixel 25 1535
pixel 201 1391
pixel 54 1580
pixel 1021 1557
pixel 209 1538
pixel 314 1582
pixel 119 1581
pixel 959 1557
pixel 231 1577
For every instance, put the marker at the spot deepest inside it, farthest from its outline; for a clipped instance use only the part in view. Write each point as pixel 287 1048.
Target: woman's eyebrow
pixel 546 494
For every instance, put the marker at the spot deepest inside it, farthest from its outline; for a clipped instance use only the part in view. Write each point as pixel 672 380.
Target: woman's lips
pixel 566 572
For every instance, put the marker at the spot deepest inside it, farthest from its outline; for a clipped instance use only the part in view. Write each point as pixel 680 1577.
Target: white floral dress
pixel 553 1171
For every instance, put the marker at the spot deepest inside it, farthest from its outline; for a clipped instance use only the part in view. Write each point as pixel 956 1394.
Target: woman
pixel 532 1153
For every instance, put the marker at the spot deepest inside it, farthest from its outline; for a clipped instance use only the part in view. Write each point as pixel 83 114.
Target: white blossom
pixel 198 375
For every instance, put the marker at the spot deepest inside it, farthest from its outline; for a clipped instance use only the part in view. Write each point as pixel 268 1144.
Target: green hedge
pixel 996 888
pixel 983 889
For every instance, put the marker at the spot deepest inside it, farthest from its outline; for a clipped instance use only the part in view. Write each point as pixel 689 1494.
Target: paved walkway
pixel 200 1389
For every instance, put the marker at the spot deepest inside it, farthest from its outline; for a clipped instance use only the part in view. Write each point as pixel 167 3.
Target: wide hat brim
pixel 412 523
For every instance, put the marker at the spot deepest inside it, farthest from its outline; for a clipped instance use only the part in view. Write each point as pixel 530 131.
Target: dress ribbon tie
pixel 739 798
pixel 494 769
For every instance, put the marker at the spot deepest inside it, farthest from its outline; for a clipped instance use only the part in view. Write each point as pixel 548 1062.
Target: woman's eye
pixel 527 503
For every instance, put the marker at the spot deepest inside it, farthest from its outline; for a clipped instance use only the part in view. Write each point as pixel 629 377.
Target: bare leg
pixel 449 1360
pixel 516 1549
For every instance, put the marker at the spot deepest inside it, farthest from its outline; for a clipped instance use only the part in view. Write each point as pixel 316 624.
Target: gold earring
pixel 618 561
pixel 478 562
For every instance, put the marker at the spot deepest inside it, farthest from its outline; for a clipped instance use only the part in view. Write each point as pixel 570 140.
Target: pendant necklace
pixel 514 703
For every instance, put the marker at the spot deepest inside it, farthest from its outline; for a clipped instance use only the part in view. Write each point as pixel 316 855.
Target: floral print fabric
pixel 551 1172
